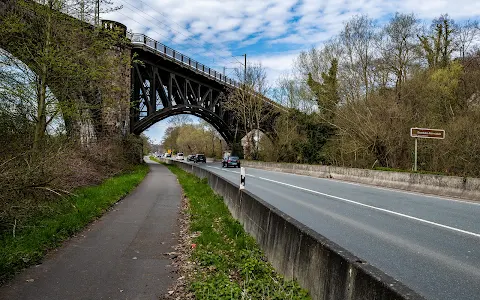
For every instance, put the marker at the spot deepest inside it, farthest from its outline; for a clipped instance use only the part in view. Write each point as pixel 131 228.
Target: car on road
pixel 168 155
pixel 191 157
pixel 231 161
pixel 200 158
pixel 180 156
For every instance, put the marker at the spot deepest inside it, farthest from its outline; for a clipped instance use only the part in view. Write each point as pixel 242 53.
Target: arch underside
pixel 195 110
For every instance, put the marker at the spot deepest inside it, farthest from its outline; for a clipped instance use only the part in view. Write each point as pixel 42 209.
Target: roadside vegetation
pixel 58 219
pixel 227 262
pixel 352 101
pixel 55 138
pixel 190 138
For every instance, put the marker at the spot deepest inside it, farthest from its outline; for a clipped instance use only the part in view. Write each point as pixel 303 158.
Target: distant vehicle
pixel 191 157
pixel 168 155
pixel 180 156
pixel 231 161
pixel 200 158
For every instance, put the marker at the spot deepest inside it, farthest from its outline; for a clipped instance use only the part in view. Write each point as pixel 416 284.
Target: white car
pixel 180 156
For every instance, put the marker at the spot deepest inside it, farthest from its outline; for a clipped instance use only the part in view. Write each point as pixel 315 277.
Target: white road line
pixel 376 208
pixel 225 170
pixel 420 194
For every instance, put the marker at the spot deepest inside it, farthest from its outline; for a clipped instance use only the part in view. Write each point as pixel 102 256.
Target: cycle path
pixel 119 256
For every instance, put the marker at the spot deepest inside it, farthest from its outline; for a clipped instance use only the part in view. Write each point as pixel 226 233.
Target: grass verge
pixel 65 217
pixel 228 263
pixel 154 159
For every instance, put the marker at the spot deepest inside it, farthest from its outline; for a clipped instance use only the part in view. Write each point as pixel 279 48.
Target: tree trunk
pixel 40 126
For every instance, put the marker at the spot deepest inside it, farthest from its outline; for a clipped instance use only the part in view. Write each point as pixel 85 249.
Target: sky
pixel 270 32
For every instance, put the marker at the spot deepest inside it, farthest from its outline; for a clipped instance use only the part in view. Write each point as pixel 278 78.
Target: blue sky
pixel 273 32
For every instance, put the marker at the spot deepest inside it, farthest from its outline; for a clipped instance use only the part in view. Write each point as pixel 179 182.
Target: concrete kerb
pixel 449 186
pixel 322 267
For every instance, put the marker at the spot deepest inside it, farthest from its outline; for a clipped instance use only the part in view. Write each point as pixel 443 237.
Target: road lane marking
pixel 377 208
pixel 362 204
pixel 396 190
pixel 225 170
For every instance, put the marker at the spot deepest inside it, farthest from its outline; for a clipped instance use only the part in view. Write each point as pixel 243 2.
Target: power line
pixel 180 26
pixel 142 24
pixel 174 30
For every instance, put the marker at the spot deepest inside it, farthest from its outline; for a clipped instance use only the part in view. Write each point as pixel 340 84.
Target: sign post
pixel 242 178
pixel 425 133
pixel 416 146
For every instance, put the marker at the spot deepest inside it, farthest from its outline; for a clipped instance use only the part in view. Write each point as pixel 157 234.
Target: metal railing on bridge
pixel 163 50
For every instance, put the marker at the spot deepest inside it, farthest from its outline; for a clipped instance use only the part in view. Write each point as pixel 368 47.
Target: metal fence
pixel 161 49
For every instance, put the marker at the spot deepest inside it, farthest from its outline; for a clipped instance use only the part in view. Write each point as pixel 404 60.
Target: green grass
pixel 229 264
pixel 154 159
pixel 66 217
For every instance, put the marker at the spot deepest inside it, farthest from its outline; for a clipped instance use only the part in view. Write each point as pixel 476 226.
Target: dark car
pixel 200 158
pixel 191 158
pixel 231 161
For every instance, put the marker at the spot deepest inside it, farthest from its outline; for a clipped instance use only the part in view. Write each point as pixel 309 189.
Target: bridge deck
pixel 142 41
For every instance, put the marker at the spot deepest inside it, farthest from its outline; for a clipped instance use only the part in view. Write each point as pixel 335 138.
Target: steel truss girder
pixel 159 93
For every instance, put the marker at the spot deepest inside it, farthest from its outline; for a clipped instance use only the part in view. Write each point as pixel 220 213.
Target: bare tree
pixel 400 47
pixel 249 105
pixel 85 10
pixel 467 35
pixel 179 120
pixel 358 40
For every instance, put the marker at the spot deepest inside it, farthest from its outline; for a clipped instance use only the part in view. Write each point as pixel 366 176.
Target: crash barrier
pixel 322 267
pixel 450 186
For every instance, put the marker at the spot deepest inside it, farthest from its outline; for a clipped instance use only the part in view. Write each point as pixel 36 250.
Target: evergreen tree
pixel 326 92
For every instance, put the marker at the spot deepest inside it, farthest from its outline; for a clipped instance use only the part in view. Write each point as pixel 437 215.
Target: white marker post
pixel 242 178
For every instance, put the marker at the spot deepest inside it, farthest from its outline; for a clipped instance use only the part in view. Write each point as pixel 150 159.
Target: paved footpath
pixel 120 256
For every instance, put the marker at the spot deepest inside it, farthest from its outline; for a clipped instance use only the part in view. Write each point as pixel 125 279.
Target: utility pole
pixel 245 70
pixel 97 12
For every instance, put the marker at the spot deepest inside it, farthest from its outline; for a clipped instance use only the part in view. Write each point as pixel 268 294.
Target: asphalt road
pixel 431 244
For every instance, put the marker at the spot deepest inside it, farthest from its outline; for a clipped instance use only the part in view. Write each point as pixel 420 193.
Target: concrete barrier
pixel 322 267
pixel 451 186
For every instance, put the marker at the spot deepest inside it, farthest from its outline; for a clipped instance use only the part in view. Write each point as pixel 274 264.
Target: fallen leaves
pixel 181 257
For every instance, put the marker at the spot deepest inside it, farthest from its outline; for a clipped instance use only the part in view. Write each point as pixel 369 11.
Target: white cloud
pixel 277 30
pixel 276 64
pixel 217 28
pixel 157 131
